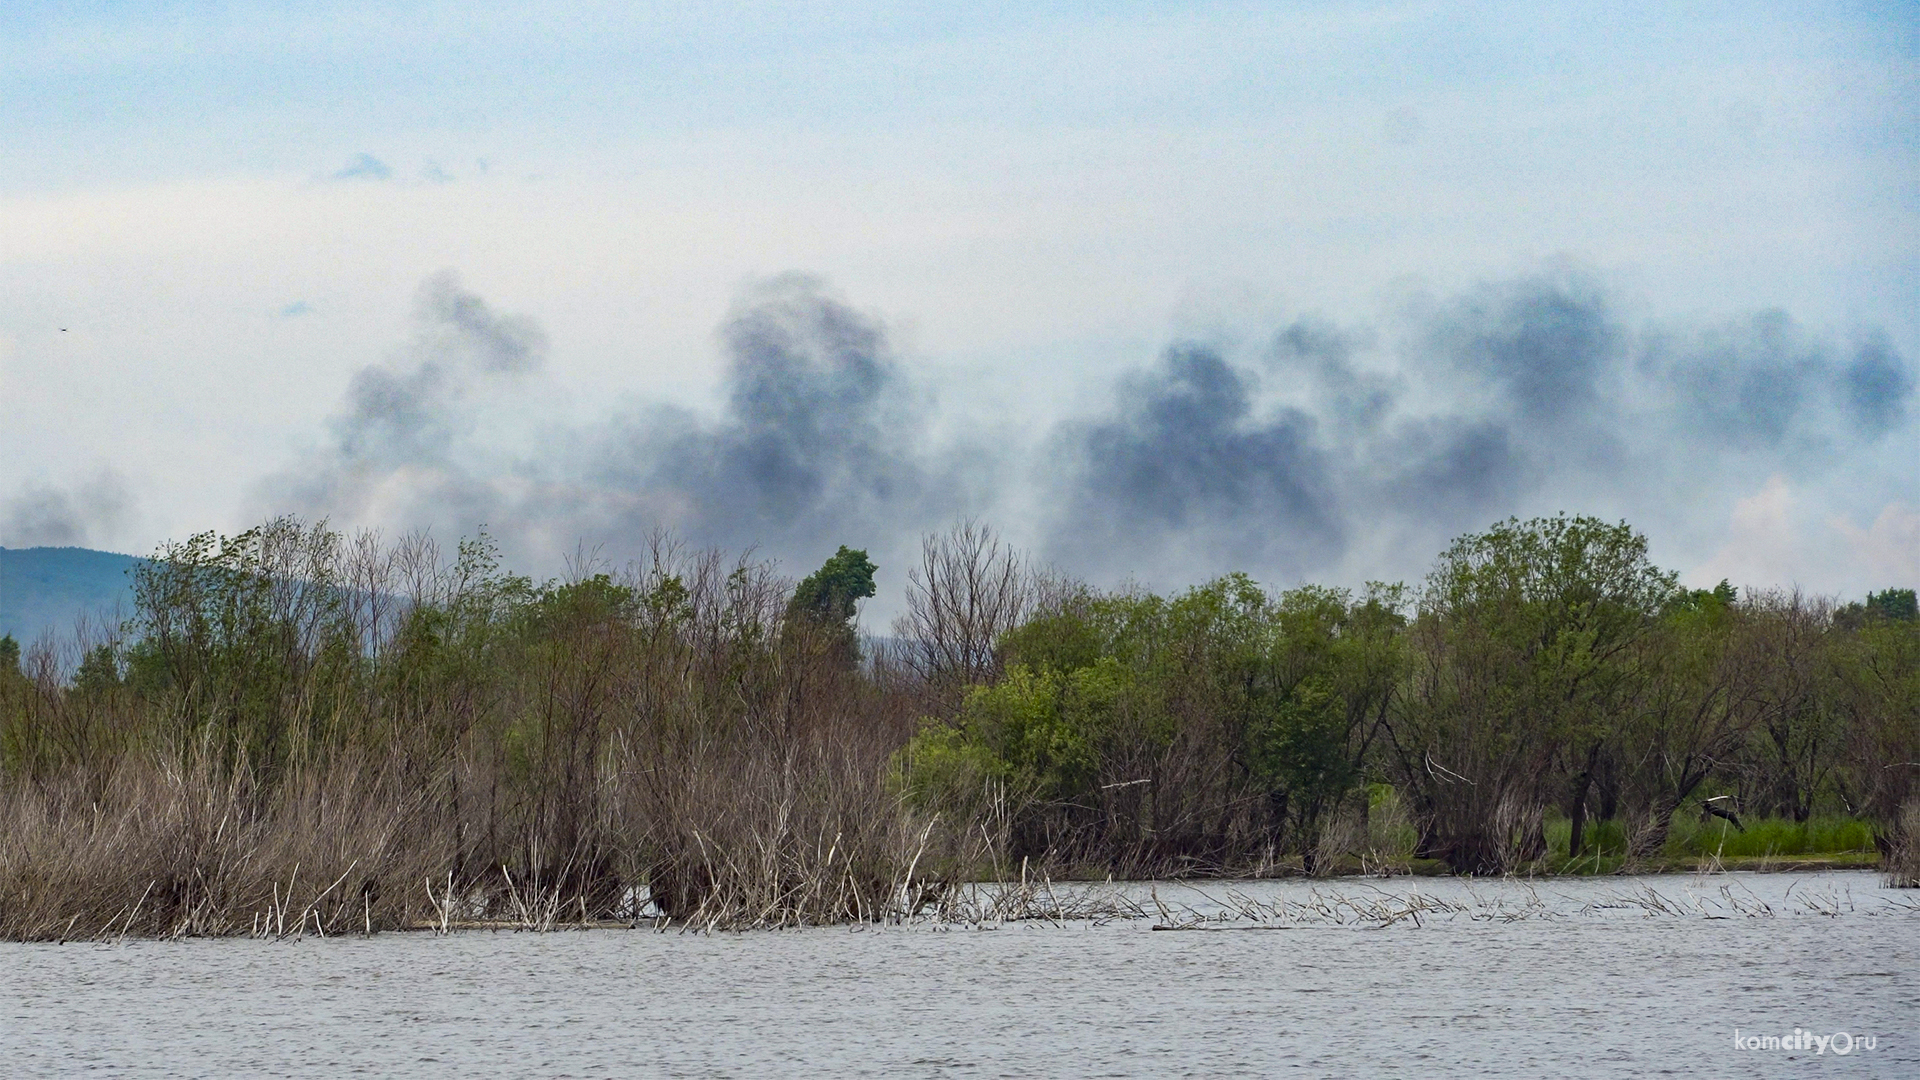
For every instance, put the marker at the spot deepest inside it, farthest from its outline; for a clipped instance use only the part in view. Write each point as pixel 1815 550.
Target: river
pixel 1609 977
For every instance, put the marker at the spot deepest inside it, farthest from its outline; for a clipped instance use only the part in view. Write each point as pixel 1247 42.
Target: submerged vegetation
pixel 299 729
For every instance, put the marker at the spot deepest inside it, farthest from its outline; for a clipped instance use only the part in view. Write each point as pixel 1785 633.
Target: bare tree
pixel 969 589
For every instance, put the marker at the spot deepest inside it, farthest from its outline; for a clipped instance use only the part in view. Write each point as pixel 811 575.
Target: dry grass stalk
pixel 1903 848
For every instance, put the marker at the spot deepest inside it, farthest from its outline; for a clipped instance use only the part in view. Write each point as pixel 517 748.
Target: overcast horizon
pixel 1159 291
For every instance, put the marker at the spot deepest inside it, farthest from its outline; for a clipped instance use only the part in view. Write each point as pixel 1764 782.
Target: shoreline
pixel 1052 911
pixel 1603 866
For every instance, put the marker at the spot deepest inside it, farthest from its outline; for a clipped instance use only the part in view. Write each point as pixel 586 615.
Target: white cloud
pixel 1762 547
pixel 365 167
pixel 1890 549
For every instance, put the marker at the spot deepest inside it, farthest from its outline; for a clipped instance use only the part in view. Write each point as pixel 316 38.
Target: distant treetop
pixel 832 593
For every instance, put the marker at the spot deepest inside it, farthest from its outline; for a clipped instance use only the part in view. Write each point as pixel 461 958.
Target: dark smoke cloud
pixel 1765 383
pixel 397 457
pixel 1183 462
pixel 1742 385
pixel 459 325
pixel 1524 397
pixel 816 433
pixel 90 513
pixel 817 444
pixel 1542 360
pixel 1545 347
pixel 1320 354
pixel 1877 387
pixel 413 412
pixel 1341 451
pixel 1451 470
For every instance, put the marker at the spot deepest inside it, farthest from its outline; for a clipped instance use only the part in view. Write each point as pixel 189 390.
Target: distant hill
pixel 46 589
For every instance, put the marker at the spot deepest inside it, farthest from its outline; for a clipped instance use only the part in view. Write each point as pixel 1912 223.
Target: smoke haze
pixel 818 444
pixel 1329 452
pixel 90 513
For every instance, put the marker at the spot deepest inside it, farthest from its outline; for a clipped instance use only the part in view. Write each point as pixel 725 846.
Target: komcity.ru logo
pixel 1839 1042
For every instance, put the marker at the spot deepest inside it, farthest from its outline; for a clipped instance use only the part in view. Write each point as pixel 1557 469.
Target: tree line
pixel 698 736
pixel 1544 668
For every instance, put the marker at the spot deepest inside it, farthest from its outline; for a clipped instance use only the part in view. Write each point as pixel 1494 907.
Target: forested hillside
pixel 49 589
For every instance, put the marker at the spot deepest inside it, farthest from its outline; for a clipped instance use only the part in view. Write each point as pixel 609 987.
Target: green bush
pixel 1694 838
pixel 1834 835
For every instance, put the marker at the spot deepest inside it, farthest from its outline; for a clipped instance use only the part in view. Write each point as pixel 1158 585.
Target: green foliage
pixel 17 734
pixel 1719 597
pixel 1060 641
pixel 826 601
pixel 1819 835
pixel 1037 734
pixel 99 671
pixel 241 628
pixel 1895 604
pixel 1873 688
pixel 832 593
pixel 1603 839
pixel 1544 665
pixel 1529 652
pixel 1130 714
pixel 1694 838
pixel 1298 744
pixel 945 766
pixel 1888 605
pixel 1048 727
pixel 1548 578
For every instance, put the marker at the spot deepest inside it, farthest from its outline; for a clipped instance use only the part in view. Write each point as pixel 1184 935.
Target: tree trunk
pixel 1576 838
pixel 1650 838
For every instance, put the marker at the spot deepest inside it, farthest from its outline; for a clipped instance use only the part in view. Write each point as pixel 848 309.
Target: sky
pixel 1157 290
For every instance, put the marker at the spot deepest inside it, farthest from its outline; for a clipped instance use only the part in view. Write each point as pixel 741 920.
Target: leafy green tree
pixel 1035 742
pixel 1797 736
pixel 827 601
pixel 1695 707
pixel 1043 728
pixel 1875 686
pixel 1128 721
pixel 1526 659
pixel 1897 604
pixel 1327 673
pixel 1722 595
pixel 99 671
pixel 17 737
pixel 249 633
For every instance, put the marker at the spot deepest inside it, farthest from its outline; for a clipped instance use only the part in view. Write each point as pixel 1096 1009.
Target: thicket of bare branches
pixel 968 590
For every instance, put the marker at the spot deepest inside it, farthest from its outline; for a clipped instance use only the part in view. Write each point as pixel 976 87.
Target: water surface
pixel 1583 977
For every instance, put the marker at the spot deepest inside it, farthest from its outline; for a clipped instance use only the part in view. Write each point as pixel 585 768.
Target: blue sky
pixel 231 209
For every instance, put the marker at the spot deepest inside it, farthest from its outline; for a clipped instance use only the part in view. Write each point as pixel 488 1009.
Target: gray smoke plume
pixel 89 513
pixel 1524 397
pixel 1542 348
pixel 1876 387
pixel 1743 385
pixel 399 456
pixel 1334 451
pixel 818 444
pixel 1182 469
